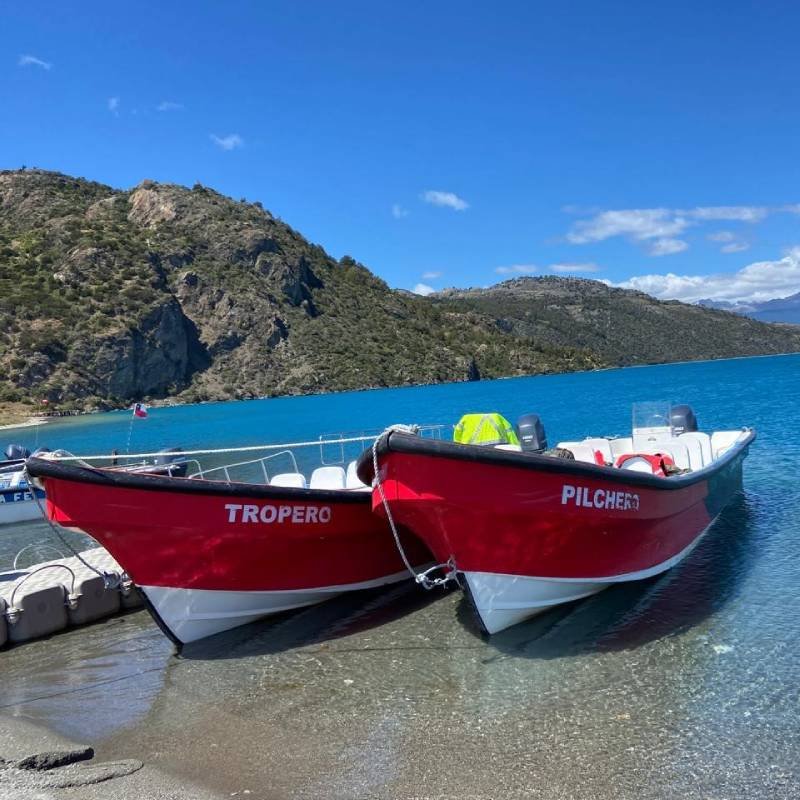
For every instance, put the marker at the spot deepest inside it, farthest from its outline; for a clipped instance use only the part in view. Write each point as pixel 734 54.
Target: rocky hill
pixel 107 296
pixel 620 326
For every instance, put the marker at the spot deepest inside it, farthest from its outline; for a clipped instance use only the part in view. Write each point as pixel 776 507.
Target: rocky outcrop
pixel 149 207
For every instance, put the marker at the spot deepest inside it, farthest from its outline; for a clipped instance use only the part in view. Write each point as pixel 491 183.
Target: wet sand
pixel 672 688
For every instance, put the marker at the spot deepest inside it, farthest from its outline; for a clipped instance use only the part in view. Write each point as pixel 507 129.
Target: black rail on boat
pixel 59 470
pixel 398 442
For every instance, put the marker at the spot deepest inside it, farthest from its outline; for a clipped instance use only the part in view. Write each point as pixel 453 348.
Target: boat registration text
pixel 267 514
pixel 584 497
pixel 15 497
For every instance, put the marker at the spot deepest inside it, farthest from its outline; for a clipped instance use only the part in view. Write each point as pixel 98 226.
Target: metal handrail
pixel 433 431
pixel 226 467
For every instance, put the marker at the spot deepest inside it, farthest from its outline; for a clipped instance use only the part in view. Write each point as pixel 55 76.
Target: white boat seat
pixel 581 451
pixel 603 445
pixel 327 478
pixel 352 481
pixel 514 447
pixel 695 452
pixel 292 479
pixel 678 451
pixel 703 440
pixel 621 446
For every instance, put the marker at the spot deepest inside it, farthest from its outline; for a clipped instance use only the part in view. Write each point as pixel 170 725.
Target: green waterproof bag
pixel 484 429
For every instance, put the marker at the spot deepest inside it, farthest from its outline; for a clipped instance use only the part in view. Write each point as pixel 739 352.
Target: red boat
pixel 524 528
pixel 209 555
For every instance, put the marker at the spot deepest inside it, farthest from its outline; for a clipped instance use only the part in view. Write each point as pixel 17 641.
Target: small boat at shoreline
pixel 18 500
pixel 210 553
pixel 524 528
pixel 17 503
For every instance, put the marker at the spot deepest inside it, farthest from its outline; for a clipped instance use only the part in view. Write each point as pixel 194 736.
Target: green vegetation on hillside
pixel 110 296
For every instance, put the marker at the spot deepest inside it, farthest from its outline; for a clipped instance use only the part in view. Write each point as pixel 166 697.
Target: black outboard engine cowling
pixel 173 461
pixel 530 431
pixel 683 420
pixel 16 452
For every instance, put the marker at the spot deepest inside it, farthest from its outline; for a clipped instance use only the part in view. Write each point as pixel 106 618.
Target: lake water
pixel 687 685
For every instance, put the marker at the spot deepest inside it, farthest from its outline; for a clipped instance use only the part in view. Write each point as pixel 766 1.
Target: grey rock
pixel 55 759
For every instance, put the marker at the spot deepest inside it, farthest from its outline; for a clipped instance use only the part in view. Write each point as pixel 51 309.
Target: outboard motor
pixel 16 452
pixel 530 431
pixel 683 420
pixel 172 461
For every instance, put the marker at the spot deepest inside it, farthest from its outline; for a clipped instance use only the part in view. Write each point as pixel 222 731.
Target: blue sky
pixel 443 144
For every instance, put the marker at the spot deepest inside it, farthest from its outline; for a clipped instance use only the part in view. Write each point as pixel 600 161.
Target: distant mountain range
pixel 785 309
pixel 109 296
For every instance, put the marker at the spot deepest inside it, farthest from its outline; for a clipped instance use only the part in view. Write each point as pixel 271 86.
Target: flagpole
pixel 130 431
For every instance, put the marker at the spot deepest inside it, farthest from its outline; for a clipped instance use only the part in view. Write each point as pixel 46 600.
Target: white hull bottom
pixel 192 614
pixel 19 511
pixel 504 600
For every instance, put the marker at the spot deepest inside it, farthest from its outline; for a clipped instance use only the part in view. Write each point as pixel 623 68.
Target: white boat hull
pixel 192 614
pixel 505 600
pixel 17 505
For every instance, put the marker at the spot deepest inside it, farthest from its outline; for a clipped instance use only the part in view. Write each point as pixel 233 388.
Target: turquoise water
pixel 681 686
pixel 724 394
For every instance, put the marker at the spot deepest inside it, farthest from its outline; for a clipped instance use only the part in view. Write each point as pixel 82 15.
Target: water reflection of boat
pixel 527 530
pixel 210 553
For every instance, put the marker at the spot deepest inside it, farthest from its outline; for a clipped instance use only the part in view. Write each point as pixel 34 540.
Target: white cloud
pixel 763 280
pixel 729 240
pixel 639 224
pixel 113 104
pixel 664 225
pixel 733 213
pixel 574 268
pixel 423 289
pixel 431 276
pixel 168 105
pixel 32 61
pixel 445 199
pixel 229 142
pixel 517 269
pixel 398 212
pixel 721 236
pixel 666 247
pixel 735 247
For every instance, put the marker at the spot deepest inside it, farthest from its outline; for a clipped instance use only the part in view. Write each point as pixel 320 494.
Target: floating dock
pixel 45 598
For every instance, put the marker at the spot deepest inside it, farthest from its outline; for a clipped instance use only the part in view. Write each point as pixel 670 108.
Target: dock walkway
pixel 45 598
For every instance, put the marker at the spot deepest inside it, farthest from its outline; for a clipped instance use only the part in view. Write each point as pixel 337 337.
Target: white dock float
pixel 48 597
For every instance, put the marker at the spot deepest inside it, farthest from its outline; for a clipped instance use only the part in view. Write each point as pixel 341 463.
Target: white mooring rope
pixel 420 577
pixel 111 580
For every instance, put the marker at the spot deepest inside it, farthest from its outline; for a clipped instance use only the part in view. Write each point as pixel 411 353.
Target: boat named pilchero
pixel 525 528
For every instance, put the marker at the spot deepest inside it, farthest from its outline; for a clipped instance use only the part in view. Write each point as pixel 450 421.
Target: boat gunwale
pixel 399 442
pixel 43 468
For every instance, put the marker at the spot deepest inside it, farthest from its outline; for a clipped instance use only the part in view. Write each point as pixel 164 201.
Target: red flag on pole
pixel 139 410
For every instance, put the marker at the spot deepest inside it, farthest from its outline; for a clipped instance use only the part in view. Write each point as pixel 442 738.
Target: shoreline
pixel 32 422
pixel 176 401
